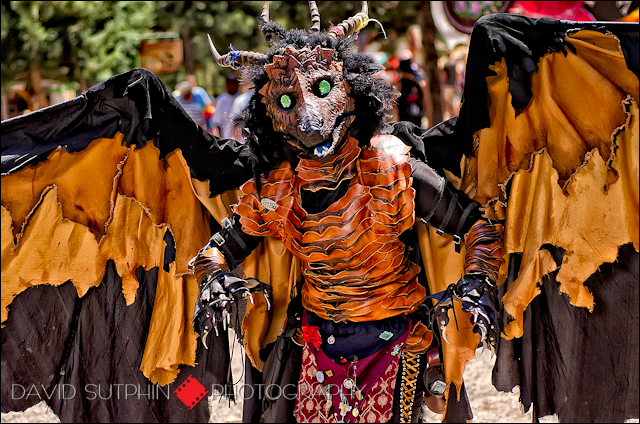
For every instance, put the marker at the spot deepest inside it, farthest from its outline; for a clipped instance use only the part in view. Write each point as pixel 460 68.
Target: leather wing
pixel 101 190
pixel 546 140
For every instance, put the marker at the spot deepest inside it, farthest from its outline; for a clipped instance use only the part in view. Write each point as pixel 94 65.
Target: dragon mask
pixel 311 88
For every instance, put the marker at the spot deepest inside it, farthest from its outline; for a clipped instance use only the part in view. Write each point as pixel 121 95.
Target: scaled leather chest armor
pixel 355 267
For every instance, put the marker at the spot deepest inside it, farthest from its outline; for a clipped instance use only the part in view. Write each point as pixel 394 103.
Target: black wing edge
pixel 137 104
pixel 522 42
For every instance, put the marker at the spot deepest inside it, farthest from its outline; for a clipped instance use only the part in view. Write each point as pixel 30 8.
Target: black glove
pixel 479 296
pixel 213 305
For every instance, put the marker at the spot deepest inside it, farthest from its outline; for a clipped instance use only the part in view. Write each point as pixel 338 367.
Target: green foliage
pixel 228 22
pixel 235 22
pixel 97 39
pixel 72 39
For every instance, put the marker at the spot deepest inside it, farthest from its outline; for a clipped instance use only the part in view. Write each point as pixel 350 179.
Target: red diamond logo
pixel 191 392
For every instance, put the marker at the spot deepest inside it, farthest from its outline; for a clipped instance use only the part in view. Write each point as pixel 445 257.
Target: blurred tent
pixel 455 19
pixel 19 97
pixel 567 10
pixel 161 53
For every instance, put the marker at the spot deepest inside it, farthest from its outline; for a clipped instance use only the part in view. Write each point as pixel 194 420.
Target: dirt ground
pixel 488 405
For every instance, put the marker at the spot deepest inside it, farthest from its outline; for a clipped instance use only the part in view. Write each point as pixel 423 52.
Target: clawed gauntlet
pixel 477 289
pixel 218 289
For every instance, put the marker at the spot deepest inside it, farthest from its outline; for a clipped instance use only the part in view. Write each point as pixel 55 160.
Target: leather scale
pixel 355 267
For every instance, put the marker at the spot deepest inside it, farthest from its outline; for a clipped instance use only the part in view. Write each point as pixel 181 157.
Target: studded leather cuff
pixel 484 249
pixel 208 261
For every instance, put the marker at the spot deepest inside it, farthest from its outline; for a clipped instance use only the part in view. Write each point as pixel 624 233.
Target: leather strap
pixel 449 213
pixel 227 228
pixel 435 206
pixel 233 264
pixel 465 214
pixel 219 240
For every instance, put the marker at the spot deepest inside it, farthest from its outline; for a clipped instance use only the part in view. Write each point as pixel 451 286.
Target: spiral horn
pixel 315 17
pixel 235 59
pixel 354 24
pixel 271 31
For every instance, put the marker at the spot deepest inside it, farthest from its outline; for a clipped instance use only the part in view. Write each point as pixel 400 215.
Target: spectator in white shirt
pixel 224 103
pixel 239 104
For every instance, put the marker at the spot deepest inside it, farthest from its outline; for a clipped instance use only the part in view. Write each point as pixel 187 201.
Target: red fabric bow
pixel 311 335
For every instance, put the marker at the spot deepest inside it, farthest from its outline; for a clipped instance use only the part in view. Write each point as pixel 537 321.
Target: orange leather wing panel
pixel 63 222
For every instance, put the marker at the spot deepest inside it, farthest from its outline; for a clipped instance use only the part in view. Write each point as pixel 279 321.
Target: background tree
pixel 429 35
pixel 86 42
pixel 71 40
pixel 235 23
pixel 228 22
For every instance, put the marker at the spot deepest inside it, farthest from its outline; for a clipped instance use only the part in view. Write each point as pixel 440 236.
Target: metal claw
pixel 242 290
pixel 266 295
pixel 484 317
pixel 217 287
pixel 224 319
pixel 492 349
pixel 444 334
pixel 483 333
pixel 219 302
pixel 204 340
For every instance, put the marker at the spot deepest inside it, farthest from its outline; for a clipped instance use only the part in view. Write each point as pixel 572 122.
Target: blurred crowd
pixel 415 103
pixel 454 21
pixel 214 113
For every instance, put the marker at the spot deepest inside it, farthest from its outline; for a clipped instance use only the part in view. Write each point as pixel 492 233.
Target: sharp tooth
pixel 322 149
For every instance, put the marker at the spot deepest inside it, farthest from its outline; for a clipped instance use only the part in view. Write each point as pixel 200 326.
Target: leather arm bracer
pixel 440 205
pixel 477 289
pixel 232 243
pixel 484 249
pixel 225 251
pixel 208 261
pixel 218 287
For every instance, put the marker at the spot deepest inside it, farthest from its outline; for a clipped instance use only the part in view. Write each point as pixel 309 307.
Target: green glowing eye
pixel 285 101
pixel 324 87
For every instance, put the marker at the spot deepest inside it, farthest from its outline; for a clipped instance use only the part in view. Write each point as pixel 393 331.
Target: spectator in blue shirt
pixel 194 100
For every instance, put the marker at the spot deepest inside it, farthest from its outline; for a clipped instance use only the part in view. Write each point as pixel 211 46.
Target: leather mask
pixel 308 99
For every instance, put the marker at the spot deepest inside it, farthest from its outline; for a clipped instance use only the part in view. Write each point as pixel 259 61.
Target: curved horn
pixel 264 18
pixel 315 17
pixel 235 59
pixel 354 24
